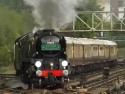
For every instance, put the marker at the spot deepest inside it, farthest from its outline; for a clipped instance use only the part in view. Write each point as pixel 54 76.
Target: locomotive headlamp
pixel 51 64
pixel 38 64
pixel 64 63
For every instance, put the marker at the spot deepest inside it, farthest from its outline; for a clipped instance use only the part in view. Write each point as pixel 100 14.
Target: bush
pixel 12 25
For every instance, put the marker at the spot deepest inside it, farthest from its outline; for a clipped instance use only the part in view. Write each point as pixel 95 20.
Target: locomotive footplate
pixel 49 81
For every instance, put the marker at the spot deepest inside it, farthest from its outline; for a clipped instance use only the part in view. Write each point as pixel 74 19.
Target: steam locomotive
pixel 40 58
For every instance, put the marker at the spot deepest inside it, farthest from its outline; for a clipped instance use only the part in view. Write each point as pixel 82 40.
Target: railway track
pixel 7 76
pixel 101 82
pixel 97 80
pixel 94 80
pixel 123 92
pixel 34 91
pixel 94 76
pixel 100 73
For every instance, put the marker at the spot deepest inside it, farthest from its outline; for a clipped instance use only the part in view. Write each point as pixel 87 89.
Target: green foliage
pixel 121 52
pixel 12 25
pixel 14 4
pixel 86 34
pixel 118 25
pixel 90 5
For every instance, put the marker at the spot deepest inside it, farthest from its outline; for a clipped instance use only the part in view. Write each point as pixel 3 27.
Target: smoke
pixel 53 13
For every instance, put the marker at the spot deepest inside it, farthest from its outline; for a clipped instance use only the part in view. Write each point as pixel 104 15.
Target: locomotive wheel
pixel 24 78
pixel 24 74
pixel 17 68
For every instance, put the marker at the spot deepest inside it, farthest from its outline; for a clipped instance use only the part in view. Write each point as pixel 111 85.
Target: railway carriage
pixel 91 54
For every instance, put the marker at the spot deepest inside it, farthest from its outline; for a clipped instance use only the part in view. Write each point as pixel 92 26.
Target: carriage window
pixel 101 48
pixel 95 48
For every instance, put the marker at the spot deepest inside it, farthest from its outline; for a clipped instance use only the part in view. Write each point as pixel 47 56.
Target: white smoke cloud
pixel 53 13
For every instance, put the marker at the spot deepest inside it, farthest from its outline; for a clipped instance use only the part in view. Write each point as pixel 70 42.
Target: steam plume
pixel 53 13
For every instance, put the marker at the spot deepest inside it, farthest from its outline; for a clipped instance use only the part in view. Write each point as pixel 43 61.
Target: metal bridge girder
pixel 99 21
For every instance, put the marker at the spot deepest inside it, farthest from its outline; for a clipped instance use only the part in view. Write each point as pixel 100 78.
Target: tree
pixel 89 5
pixel 14 4
pixel 12 25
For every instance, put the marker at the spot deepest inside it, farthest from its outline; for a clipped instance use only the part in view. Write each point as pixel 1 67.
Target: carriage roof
pixel 88 41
